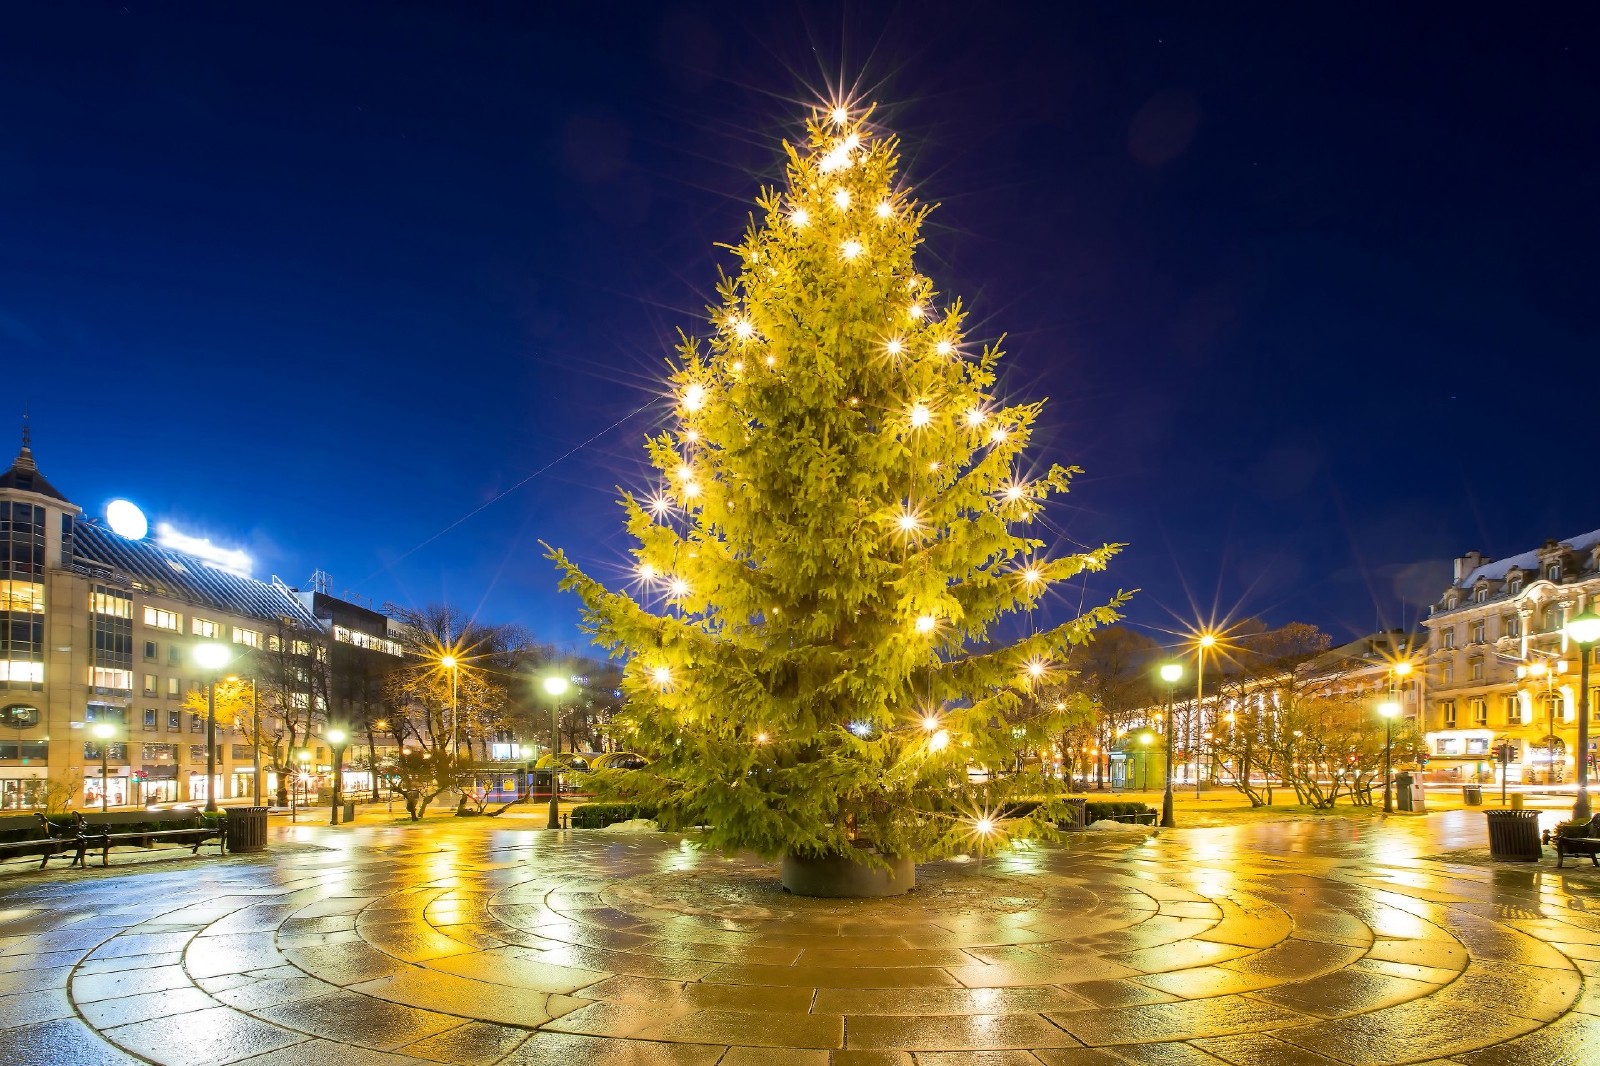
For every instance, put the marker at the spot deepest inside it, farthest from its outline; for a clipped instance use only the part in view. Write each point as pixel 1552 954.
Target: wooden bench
pixel 186 829
pixel 43 839
pixel 1579 840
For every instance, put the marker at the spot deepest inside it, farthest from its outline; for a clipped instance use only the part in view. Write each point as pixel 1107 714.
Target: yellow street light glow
pixel 939 741
pixel 998 435
pixel 335 736
pixel 908 523
pixel 1208 640
pixel 915 311
pixel 691 489
pixel 840 116
pixel 943 348
pixel 894 347
pixel 743 329
pixel 679 587
pixel 930 723
pixel 738 366
pixel 694 397
pixel 1014 491
pixel 799 217
pixel 841 198
pixel 925 623
pixel 1388 709
pixel 761 738
pixel 884 210
pixel 975 417
pixel 447 661
pixel 850 249
pixel 691 435
pixel 685 471
pixel 647 572
pixel 772 360
pixel 661 676
pixel 984 826
pixel 660 505
pixel 920 415
pixel 1031 575
pixel 1035 668
pixel 103 730
pixel 1170 672
pixel 1402 668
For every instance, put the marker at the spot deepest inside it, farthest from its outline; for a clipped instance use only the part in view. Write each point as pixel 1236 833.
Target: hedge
pixel 600 815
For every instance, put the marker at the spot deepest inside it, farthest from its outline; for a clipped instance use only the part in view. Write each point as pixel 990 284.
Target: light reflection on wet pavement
pixel 1273 944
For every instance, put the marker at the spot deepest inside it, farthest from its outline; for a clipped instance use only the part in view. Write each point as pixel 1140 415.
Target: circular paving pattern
pixel 1333 942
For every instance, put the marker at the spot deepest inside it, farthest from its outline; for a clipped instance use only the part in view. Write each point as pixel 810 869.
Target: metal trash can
pixel 349 811
pixel 247 829
pixel 1516 801
pixel 1402 784
pixel 1078 813
pixel 1514 836
pixel 1472 795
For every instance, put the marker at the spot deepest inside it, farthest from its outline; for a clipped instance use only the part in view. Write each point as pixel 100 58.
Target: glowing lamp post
pixel 557 687
pixel 213 659
pixel 1388 710
pixel 1170 673
pixel 102 733
pixel 304 758
pixel 336 737
pixel 1205 643
pixel 449 663
pixel 1584 631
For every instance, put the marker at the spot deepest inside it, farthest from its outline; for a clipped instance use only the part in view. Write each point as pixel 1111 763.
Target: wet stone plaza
pixel 1336 941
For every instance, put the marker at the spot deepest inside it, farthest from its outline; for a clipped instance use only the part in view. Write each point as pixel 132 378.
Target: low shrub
pixel 1095 812
pixel 600 815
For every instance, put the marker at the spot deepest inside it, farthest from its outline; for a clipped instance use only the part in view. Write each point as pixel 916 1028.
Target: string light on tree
pixel 765 538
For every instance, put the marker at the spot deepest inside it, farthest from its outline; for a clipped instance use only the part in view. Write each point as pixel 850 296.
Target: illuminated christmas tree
pixel 842 523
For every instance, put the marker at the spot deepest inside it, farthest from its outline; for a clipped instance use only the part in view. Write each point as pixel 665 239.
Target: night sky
pixel 1312 292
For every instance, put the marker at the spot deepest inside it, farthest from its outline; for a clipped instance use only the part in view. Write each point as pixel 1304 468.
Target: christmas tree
pixel 842 526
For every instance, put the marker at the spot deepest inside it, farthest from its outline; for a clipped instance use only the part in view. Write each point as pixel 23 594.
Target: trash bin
pixel 247 829
pixel 1513 836
pixel 1516 801
pixel 1077 813
pixel 1472 795
pixel 1402 784
pixel 349 811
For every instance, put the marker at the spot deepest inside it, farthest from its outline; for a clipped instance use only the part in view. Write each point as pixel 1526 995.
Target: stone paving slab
pixel 1305 945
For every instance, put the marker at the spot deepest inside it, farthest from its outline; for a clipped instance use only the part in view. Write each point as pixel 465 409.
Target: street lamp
pixel 212 658
pixel 255 737
pixel 336 737
pixel 103 732
pixel 557 687
pixel 303 757
pixel 1170 673
pixel 1387 710
pixel 449 663
pixel 1548 671
pixel 1205 643
pixel 1584 631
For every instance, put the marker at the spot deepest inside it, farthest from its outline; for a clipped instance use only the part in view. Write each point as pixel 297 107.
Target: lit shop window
pixel 154 616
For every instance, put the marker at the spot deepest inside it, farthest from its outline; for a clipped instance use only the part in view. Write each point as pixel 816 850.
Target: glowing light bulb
pixel 933 467
pixel 855 401
pixel 853 141
pixel 660 505
pixel 1031 575
pixel 908 523
pixel 799 217
pixel 884 210
pixel 894 347
pixel 915 311
pixel 841 198
pixel 685 472
pixel 939 741
pixel 850 249
pixel 761 738
pixel 772 360
pixel 743 329
pixel 694 397
pixel 1013 491
pixel 1035 668
pixel 646 571
pixel 691 435
pixel 930 722
pixel 920 415
pixel 943 348
pixel 840 116
pixel 984 826
pixel 975 417
pixel 737 366
pixel 661 676
pixel 691 489
pixel 999 434
pixel 679 587
pixel 926 623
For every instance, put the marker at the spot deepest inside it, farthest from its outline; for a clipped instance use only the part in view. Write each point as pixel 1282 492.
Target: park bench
pixel 177 827
pixel 38 836
pixel 1578 839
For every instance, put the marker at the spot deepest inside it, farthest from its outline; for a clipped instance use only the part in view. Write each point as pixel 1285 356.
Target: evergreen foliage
pixel 812 655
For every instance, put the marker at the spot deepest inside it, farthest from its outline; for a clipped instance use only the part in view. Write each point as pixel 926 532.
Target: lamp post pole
pixel 1206 641
pixel 1170 673
pixel 556 686
pixel 1584 631
pixel 103 732
pixel 211 658
pixel 336 738
pixel 1388 710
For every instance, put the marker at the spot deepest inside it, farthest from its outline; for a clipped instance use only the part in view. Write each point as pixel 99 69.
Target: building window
pixel 1447 710
pixel 1475 666
pixel 111 602
pixel 24 672
pixel 1482 594
pixel 149 684
pixel 174 688
pixel 1448 636
pixel 1513 708
pixel 174 655
pixel 1449 673
pixel 1449 745
pixel 20 716
pixel 1480 711
pixel 248 637
pixel 1514 586
pixel 273 643
pixel 302 647
pixel 1479 631
pixel 205 627
pixel 1552 618
pixel 114 752
pixel 150 651
pixel 174 721
pixel 24 597
pixel 150 719
pixel 160 752
pixel 197 723
pixel 114 680
pixel 154 616
pixel 1553 572
pixel 1477 745
pixel 1511 625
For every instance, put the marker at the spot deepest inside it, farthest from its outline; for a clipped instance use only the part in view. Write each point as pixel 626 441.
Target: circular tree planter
pixel 837 876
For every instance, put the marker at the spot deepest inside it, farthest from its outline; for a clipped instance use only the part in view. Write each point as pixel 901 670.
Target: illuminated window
pixel 151 719
pixel 25 672
pixel 24 596
pixel 273 643
pixel 111 602
pixel 204 627
pixel 302 648
pixel 111 678
pixel 1480 711
pixel 1448 636
pixel 1482 595
pixel 1478 632
pixel 1511 625
pixel 248 637
pixel 1514 586
pixel 174 688
pixel 174 721
pixel 154 616
pixel 149 684
pixel 1475 667
pixel 1447 710
pixel 1553 572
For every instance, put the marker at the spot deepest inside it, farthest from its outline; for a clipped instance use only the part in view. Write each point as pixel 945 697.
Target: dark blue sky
pixel 1312 292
